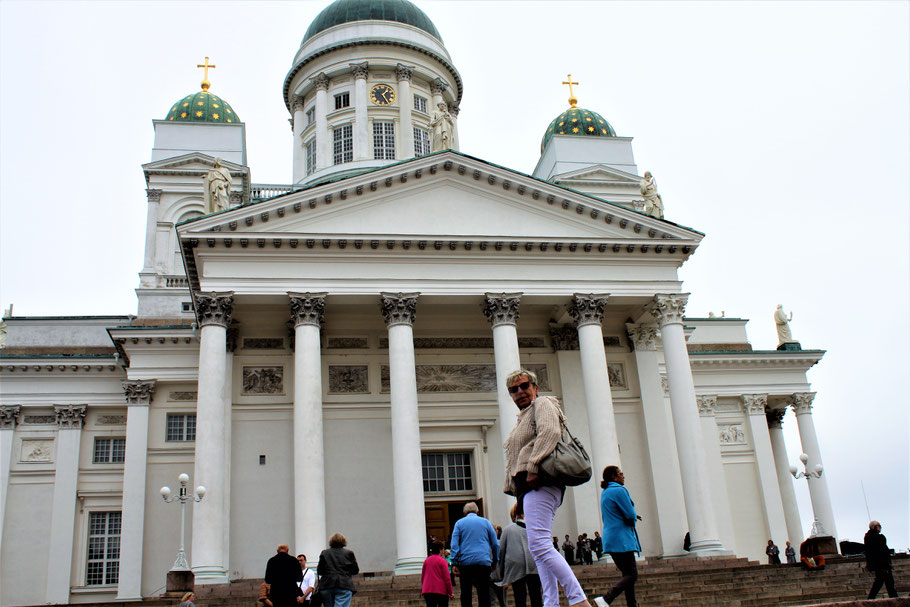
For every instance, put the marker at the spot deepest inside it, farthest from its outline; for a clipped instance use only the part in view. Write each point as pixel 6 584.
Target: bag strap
pixel 562 423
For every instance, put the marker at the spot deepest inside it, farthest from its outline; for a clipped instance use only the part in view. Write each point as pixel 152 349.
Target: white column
pixel 454 111
pixel 309 455
pixel 664 461
pixel 818 487
pixel 707 411
pixel 63 508
pixel 147 275
pixel 784 479
pixel 755 406
pixel 297 126
pixel 501 309
pixel 405 106
pixel 227 396
pixel 9 417
pixel 138 398
pixel 437 88
pixel 323 145
pixel 587 310
pixel 669 310
pixel 362 139
pixel 214 316
pixel 399 311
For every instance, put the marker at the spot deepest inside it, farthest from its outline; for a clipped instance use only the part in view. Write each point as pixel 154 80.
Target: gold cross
pixel 205 78
pixel 573 101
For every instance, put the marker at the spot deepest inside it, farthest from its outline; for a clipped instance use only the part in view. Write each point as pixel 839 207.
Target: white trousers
pixel 540 509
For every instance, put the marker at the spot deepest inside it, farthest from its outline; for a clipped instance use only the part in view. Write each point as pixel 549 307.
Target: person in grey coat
pixel 517 564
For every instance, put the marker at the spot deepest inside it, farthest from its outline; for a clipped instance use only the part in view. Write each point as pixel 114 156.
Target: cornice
pixel 804 359
pixel 59 365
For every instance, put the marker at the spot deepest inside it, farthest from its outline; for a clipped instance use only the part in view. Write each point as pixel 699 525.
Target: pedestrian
pixel 569 548
pixel 518 568
pixel 617 510
pixel 773 553
pixel 282 574
pixel 474 549
pixel 337 568
pixel 187 600
pixel 810 556
pixel 598 545
pixel 878 560
pixel 435 581
pixel 536 433
pixel 308 583
pixel 588 550
pixel 496 585
pixel 790 553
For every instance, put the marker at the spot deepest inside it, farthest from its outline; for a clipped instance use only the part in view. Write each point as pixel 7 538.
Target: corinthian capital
pixel 139 391
pixel 307 308
pixel 403 72
pixel 564 337
pixel 669 309
pixel 399 308
pixel 775 417
pixel 802 402
pixel 588 309
pixel 755 404
pixel 501 308
pixel 297 103
pixel 643 336
pixel 153 195
pixel 214 308
pixel 707 405
pixel 320 81
pixel 9 416
pixel 360 70
pixel 438 87
pixel 69 416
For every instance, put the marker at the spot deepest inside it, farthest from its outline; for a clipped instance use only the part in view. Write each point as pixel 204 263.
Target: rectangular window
pixel 181 427
pixel 384 140
pixel 421 142
pixel 109 451
pixel 102 566
pixel 311 157
pixel 447 472
pixel 343 144
pixel 420 104
pixel 310 116
pixel 187 306
pixel 342 100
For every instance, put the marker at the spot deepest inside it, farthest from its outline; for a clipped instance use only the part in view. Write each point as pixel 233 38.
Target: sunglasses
pixel 523 385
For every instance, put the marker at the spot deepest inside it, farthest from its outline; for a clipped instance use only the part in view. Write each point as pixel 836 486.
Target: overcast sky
pixel 781 130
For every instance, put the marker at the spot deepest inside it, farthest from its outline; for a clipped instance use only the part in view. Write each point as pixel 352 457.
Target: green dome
pixel 202 107
pixel 347 11
pixel 578 121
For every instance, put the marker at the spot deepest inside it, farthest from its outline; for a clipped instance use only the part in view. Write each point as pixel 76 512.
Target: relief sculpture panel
pixel 37 450
pixel 263 380
pixel 731 434
pixel 461 378
pixel 348 379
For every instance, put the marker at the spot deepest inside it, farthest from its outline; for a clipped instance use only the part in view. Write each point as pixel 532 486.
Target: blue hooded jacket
pixel 618 514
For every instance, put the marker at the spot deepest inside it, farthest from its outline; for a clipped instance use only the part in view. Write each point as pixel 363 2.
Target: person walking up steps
pixel 620 538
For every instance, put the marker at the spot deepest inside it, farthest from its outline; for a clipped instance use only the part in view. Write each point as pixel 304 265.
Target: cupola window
pixel 311 156
pixel 343 144
pixel 310 116
pixel 342 100
pixel 421 142
pixel 420 104
pixel 384 140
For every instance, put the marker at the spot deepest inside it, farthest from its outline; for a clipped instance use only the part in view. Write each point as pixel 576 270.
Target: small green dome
pixel 202 107
pixel 578 121
pixel 347 11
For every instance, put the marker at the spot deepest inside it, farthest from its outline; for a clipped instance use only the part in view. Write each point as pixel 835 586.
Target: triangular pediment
pixel 192 161
pixel 600 173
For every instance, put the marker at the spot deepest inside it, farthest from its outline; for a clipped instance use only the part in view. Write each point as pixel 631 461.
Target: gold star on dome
pixel 228 119
pixel 186 104
pixel 590 129
pixel 575 120
pixel 199 114
pixel 228 110
pixel 604 131
pixel 575 129
pixel 588 119
pixel 199 103
pixel 183 114
pixel 215 105
pixel 215 116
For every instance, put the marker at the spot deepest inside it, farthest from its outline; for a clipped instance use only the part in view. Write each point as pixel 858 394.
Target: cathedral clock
pixel 382 94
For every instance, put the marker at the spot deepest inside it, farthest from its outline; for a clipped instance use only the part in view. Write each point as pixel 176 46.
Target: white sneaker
pixel 600 602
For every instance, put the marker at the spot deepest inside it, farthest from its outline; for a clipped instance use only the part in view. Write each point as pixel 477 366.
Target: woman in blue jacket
pixel 619 538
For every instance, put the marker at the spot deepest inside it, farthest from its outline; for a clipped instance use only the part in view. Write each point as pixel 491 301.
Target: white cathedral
pixel 329 355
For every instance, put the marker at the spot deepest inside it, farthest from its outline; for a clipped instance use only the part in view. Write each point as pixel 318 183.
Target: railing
pixel 176 282
pixel 264 191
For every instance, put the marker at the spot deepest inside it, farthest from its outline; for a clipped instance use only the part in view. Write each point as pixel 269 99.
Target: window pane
pixel 190 427
pixel 102 451
pixel 447 472
pixel 103 554
pixel 118 450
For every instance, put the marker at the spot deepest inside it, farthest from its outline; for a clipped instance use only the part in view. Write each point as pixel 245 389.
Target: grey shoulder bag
pixel 568 465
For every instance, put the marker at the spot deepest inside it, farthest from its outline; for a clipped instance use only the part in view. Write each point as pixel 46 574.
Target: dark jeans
pixel 475 576
pixel 883 576
pixel 528 585
pixel 625 561
pixel 436 600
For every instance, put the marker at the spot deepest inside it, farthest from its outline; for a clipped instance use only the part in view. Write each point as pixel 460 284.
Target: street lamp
pixel 807 474
pixel 183 497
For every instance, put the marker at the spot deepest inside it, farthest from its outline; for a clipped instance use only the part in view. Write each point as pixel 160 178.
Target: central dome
pixel 579 122
pixel 347 11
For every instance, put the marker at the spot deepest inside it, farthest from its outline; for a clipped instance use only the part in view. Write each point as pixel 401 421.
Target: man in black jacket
pixel 282 574
pixel 878 560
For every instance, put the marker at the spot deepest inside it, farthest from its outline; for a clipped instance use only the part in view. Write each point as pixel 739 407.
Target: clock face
pixel 382 94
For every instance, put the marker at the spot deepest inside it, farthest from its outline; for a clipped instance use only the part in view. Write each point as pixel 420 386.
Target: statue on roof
pixel 654 205
pixel 217 188
pixel 443 125
pixel 784 336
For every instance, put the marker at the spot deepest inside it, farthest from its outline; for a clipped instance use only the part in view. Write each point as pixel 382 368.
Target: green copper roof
pixel 347 11
pixel 202 107
pixel 578 121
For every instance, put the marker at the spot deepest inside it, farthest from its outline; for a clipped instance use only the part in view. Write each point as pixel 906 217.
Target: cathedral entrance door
pixel 442 516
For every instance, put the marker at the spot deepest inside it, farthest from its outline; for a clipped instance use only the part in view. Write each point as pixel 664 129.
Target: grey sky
pixel 781 130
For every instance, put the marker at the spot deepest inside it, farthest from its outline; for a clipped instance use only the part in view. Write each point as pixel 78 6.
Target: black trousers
pixel 625 561
pixel 478 577
pixel 883 576
pixel 525 587
pixel 436 600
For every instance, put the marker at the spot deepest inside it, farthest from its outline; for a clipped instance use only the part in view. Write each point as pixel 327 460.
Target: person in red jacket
pixel 435 582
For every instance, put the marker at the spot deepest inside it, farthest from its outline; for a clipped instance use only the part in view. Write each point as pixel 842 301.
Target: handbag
pixel 568 465
pixel 316 596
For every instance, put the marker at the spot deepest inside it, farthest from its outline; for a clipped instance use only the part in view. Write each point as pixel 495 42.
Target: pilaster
pixel 775 419
pixel 323 151
pixel 405 107
pixel 9 419
pixel 755 406
pixel 362 138
pixel 147 276
pixel 714 460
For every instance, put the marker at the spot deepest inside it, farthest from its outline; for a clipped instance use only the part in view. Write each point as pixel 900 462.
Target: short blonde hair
pixel 511 377
pixel 186 597
pixel 469 508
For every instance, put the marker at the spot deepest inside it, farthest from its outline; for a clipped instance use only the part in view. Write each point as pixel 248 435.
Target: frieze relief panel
pixel 442 343
pixel 263 343
pixel 111 420
pixel 617 374
pixel 186 396
pixel 39 419
pixel 731 434
pixel 37 451
pixel 461 378
pixel 263 380
pixel 349 379
pixel 340 343
pixel 612 341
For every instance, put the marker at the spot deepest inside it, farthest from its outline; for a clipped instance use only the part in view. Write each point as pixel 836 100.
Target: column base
pixel 409 566
pixel 210 575
pixel 708 548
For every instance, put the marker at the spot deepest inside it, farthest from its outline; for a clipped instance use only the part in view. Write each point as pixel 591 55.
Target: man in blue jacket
pixel 619 539
pixel 474 549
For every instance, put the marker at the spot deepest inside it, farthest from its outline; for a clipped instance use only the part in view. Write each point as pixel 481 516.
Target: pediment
pixel 192 162
pixel 600 173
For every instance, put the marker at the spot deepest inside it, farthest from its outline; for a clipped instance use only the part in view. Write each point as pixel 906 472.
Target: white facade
pixel 332 342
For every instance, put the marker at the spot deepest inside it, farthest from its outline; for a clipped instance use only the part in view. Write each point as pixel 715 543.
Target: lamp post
pixel 181 564
pixel 817 528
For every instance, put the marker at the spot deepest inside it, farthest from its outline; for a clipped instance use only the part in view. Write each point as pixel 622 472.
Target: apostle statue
pixel 783 325
pixel 217 188
pixel 654 205
pixel 443 125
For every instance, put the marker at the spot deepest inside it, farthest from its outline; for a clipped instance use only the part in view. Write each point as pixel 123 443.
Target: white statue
pixel 654 205
pixel 783 325
pixel 217 188
pixel 443 125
